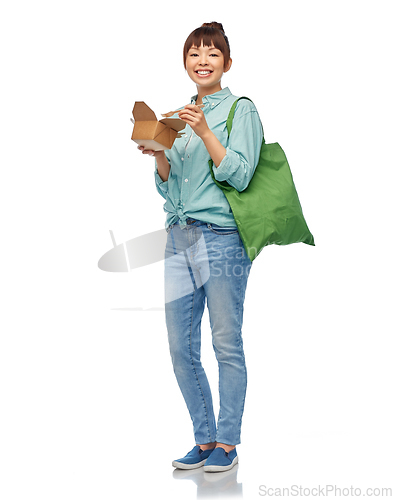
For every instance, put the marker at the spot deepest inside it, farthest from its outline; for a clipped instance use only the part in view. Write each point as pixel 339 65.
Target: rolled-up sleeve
pixel 162 186
pixel 243 149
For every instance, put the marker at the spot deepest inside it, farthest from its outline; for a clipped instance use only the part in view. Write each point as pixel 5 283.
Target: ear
pixel 228 65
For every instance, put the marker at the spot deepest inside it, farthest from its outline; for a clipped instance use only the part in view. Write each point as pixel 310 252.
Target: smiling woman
pixel 217 267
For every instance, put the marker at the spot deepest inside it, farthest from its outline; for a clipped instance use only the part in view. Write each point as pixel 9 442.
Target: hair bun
pixel 215 25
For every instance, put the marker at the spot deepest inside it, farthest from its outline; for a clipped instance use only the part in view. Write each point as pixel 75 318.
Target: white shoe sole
pixel 220 468
pixel 180 465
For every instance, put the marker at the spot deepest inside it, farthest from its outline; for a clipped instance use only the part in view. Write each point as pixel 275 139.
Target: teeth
pixel 203 72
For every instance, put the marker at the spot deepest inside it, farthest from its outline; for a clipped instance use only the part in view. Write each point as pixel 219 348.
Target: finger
pixel 191 111
pixel 188 116
pixel 145 151
pixel 194 107
pixel 186 111
pixel 189 121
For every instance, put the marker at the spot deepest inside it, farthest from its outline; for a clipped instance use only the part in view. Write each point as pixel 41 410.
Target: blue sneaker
pixel 220 460
pixel 194 459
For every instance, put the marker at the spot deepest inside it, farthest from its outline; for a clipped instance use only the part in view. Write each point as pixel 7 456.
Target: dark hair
pixel 208 34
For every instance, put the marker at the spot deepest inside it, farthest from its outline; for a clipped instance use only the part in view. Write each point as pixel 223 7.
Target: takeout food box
pixel 151 133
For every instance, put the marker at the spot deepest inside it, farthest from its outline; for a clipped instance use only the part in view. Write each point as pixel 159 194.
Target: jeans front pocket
pixel 222 230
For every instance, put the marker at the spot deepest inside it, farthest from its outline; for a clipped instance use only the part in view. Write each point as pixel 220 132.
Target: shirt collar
pixel 215 98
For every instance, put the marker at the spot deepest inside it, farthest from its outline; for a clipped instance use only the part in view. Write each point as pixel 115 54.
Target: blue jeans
pixel 207 262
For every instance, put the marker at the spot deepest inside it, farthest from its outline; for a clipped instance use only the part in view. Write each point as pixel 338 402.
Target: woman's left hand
pixel 194 116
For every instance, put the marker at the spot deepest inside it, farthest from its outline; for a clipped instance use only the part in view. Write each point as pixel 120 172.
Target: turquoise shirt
pixel 190 190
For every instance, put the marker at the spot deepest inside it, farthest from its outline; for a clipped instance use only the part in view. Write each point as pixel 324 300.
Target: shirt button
pixel 185 180
pixel 212 103
pixel 182 159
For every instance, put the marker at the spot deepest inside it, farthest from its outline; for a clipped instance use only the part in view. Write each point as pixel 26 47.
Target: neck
pixel 204 91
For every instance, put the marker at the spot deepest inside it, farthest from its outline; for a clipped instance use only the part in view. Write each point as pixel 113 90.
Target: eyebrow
pixel 197 48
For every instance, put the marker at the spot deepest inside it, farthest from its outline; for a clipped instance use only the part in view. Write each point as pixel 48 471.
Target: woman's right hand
pixel 150 152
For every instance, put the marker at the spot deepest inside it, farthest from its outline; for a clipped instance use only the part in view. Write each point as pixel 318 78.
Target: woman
pixel 205 258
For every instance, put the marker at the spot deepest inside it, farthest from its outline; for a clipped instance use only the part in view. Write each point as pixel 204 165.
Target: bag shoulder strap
pixel 232 114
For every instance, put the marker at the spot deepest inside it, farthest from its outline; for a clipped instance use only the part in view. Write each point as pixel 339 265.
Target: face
pixel 205 66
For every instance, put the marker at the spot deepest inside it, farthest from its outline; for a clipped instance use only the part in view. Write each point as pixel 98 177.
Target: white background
pixel 90 405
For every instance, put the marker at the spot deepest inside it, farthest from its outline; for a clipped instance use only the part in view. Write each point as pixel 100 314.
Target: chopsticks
pixel 171 113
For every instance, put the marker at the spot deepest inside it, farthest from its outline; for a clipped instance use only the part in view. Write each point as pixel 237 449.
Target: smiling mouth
pixel 204 72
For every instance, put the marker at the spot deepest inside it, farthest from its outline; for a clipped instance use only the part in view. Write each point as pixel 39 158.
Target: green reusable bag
pixel 268 211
